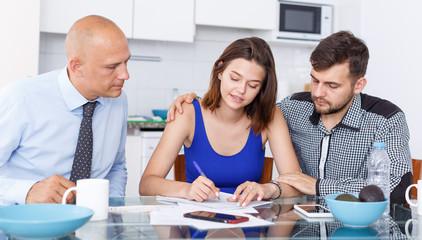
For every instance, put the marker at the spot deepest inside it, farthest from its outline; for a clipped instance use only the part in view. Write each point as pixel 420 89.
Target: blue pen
pixel 202 173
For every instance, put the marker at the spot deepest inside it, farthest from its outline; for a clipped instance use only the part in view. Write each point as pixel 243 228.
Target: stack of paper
pixel 220 204
pixel 173 214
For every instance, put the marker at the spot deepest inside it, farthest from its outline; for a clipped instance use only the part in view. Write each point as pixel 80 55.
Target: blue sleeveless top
pixel 227 172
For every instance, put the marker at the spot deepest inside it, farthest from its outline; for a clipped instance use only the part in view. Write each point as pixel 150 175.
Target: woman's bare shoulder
pixel 187 116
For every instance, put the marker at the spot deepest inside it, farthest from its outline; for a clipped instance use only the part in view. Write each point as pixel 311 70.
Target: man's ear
pixel 75 67
pixel 359 85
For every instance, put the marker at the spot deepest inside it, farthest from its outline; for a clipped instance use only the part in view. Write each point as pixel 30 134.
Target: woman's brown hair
pixel 261 109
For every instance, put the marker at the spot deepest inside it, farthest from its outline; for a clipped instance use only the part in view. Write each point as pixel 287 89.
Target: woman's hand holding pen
pixel 203 188
pixel 248 191
pixel 215 192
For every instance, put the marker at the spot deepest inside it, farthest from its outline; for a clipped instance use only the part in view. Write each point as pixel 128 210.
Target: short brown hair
pixel 339 48
pixel 261 109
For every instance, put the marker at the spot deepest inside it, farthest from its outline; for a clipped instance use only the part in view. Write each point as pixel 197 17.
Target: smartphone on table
pixel 313 210
pixel 216 217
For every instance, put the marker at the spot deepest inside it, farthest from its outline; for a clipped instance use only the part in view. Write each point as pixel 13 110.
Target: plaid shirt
pixel 338 159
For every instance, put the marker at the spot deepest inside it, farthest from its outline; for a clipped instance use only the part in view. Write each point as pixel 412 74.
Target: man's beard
pixel 332 109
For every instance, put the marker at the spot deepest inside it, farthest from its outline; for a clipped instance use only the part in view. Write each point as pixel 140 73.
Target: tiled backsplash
pixel 186 66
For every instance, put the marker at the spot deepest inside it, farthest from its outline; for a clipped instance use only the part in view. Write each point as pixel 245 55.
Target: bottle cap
pixel 379 144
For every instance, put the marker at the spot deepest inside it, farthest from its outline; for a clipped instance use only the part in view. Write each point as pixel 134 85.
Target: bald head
pixel 88 32
pixel 97 53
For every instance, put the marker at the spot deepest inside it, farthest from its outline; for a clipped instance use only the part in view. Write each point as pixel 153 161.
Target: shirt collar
pixel 352 118
pixel 71 96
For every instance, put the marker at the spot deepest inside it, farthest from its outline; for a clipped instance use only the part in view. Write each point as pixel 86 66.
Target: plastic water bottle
pixel 379 171
pixel 173 95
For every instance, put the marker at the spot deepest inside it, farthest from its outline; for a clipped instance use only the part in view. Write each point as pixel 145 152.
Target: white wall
pixel 393 33
pixel 19 24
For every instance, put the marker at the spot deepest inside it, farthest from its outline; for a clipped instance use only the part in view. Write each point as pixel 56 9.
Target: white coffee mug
pixel 91 193
pixel 419 196
pixel 416 229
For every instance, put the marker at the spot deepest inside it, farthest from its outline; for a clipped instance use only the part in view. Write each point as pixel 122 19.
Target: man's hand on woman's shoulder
pixel 177 105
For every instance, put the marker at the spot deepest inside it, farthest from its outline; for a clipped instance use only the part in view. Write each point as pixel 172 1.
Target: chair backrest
pixel 416 164
pixel 180 169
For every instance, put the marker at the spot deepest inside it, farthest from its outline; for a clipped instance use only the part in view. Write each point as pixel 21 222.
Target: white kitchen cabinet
pixel 167 20
pixel 149 141
pixel 57 16
pixel 133 162
pixel 251 14
pixel 19 22
pixel 139 148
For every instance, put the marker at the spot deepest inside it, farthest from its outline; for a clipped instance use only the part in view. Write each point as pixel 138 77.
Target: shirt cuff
pixel 19 190
pixel 317 187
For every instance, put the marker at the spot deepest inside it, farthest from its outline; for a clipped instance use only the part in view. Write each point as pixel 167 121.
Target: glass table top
pixel 288 224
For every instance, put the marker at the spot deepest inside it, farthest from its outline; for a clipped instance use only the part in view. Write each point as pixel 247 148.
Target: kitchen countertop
pixel 153 124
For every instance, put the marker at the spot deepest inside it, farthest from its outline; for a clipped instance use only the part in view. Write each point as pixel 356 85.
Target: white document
pixel 221 204
pixel 173 216
pixel 134 208
pixel 233 210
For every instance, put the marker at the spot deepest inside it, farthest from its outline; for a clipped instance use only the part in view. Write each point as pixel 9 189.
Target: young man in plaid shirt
pixel 334 126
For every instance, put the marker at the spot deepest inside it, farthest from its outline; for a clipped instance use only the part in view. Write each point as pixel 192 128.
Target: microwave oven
pixel 304 21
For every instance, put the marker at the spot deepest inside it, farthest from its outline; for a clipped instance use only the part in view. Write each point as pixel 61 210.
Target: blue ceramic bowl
pixel 43 220
pixel 354 233
pixel 160 113
pixel 355 214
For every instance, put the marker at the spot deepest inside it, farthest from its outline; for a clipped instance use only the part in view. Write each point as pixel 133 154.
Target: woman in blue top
pixel 225 133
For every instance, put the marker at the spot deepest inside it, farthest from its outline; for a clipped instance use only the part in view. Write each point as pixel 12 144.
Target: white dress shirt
pixel 39 127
